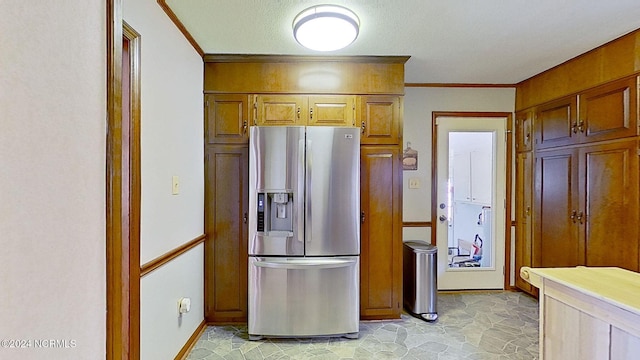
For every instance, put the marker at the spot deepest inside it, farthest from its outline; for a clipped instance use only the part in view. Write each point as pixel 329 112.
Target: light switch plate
pixel 175 185
pixel 414 183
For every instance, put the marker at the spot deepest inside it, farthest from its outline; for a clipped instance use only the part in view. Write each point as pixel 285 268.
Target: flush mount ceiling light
pixel 326 27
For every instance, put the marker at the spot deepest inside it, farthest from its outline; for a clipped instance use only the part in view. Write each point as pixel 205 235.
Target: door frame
pixel 122 190
pixel 508 165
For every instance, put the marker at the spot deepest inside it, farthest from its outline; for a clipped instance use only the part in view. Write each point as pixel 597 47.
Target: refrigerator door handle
pixel 308 192
pixel 300 191
pixel 305 264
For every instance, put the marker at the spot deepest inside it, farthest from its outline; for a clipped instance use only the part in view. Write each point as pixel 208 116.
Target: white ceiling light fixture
pixel 326 27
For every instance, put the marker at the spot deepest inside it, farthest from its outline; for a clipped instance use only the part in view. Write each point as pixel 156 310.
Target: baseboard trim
pixel 186 349
pixel 165 258
pixel 416 224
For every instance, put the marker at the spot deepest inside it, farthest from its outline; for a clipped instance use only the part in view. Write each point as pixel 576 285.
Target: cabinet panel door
pixel 461 176
pixel 332 110
pixel 481 177
pixel 226 118
pixel 609 111
pixel 556 124
pixel 556 242
pixel 278 110
pixel 609 204
pixel 380 119
pixel 226 204
pixel 381 233
pixel 524 120
pixel 524 191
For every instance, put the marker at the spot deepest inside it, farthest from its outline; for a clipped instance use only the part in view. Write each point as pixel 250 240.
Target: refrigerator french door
pixel 304 231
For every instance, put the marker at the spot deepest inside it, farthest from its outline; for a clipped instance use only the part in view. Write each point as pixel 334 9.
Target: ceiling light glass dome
pixel 326 27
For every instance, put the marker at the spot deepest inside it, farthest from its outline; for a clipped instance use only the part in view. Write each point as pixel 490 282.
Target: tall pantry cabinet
pixel 247 90
pixel 577 183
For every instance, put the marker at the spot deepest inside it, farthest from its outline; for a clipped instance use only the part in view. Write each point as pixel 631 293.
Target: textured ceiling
pixel 449 41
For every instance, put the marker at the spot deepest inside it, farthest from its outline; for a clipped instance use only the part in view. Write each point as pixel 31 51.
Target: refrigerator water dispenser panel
pixel 280 211
pixel 275 214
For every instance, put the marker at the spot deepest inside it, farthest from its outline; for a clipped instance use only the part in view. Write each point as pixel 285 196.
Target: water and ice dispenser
pixel 275 213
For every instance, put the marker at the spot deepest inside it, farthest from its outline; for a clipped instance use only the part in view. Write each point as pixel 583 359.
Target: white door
pixel 470 229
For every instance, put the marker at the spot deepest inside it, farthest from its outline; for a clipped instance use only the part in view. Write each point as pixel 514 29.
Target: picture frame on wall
pixel 409 158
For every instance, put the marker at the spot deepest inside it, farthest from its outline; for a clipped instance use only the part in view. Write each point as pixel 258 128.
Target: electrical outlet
pixel 175 185
pixel 414 183
pixel 184 305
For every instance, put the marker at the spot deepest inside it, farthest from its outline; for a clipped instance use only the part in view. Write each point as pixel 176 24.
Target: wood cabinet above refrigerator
pixel 246 90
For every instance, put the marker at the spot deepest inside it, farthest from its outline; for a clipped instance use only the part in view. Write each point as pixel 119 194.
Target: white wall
pixel 52 176
pixel 172 144
pixel 419 105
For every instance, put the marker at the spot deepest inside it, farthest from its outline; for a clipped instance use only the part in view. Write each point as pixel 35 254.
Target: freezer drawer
pixel 299 297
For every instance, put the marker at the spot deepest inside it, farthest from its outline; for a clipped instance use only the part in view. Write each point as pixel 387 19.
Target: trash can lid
pixel 421 246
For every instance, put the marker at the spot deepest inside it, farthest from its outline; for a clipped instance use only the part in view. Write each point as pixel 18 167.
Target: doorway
pixel 122 188
pixel 470 193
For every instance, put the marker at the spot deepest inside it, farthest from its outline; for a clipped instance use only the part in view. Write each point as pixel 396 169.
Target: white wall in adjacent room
pixel 419 105
pixel 52 176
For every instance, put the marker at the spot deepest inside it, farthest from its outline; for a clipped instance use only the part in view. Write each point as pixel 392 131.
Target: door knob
pixel 442 218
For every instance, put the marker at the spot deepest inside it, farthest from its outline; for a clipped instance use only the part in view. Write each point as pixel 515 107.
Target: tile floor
pixel 474 325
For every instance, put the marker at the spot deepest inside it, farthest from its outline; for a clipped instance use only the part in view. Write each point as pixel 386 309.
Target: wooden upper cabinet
pixel 524 131
pixel 380 118
pixel 300 110
pixel 332 110
pixel 555 123
pixel 605 112
pixel 226 118
pixel 281 110
pixel 609 111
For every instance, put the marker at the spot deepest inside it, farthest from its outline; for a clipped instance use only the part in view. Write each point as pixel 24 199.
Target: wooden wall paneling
pixel 611 61
pixel 300 74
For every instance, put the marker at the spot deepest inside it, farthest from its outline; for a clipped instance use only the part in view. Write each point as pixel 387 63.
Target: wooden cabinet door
pixel 524 136
pixel 609 111
pixel 555 239
pixel 226 118
pixel 281 110
pixel 380 119
pixel 381 233
pixel 556 124
pixel 609 204
pixel 524 202
pixel 332 110
pixel 226 206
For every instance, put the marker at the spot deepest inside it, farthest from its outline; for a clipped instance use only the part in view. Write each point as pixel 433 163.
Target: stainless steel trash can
pixel 420 279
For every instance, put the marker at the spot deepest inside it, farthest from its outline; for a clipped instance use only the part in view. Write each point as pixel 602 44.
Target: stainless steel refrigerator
pixel 304 231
